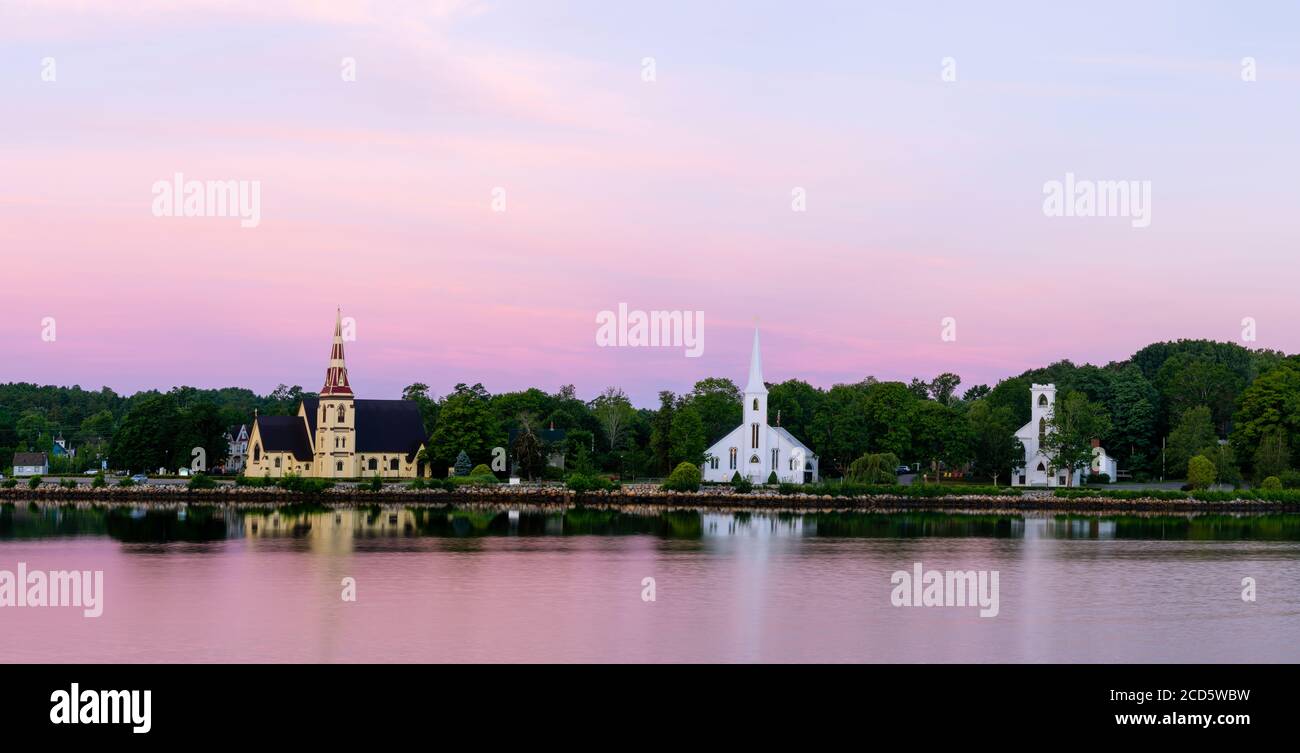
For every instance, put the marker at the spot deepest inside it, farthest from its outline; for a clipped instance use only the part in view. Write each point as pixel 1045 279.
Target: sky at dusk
pixel 924 197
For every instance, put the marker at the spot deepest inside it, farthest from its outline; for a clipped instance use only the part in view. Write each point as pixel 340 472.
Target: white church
pixel 1037 469
pixel 755 449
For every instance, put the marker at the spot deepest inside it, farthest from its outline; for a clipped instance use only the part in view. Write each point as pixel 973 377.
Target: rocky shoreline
pixel 641 496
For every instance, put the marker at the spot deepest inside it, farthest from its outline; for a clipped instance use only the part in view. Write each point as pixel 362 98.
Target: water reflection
pixel 200 523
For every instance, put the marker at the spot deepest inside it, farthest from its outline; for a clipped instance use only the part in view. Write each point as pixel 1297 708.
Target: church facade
pixel 754 449
pixel 336 435
pixel 1037 468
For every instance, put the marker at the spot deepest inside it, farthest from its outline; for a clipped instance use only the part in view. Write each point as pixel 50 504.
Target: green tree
pixel 940 436
pixel 995 449
pixel 466 423
pixel 1194 431
pixel 718 403
pixel 1200 472
pixel 528 450
pixel 686 438
pixel 1133 406
pixel 1075 422
pixel 1270 404
pixel 1273 456
pixel 614 412
pixel 661 425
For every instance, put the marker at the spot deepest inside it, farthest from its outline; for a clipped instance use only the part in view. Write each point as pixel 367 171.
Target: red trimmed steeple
pixel 336 376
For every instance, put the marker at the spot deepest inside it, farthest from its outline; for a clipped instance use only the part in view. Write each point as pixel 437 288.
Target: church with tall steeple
pixel 335 435
pixel 755 449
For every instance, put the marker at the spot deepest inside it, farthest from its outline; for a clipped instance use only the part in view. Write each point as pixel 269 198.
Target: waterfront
pixel 491 584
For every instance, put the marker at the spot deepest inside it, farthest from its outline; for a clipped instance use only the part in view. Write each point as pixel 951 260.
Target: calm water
pixel 213 585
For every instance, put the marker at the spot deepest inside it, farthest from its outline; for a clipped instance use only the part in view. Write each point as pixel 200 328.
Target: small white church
pixel 1037 469
pixel 755 449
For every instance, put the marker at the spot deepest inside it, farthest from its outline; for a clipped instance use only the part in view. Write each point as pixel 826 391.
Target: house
pixel 237 448
pixel 60 449
pixel 1037 470
pixel 336 435
pixel 754 449
pixel 31 464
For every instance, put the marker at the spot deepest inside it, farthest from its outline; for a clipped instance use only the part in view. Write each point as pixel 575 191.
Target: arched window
pixel 754 428
pixel 339 466
pixel 1042 430
pixel 342 414
pixel 753 458
pixel 1042 468
pixel 1042 401
pixel 775 455
pixel 392 464
pixel 733 458
pixel 755 403
pixel 372 464
pixel 257 452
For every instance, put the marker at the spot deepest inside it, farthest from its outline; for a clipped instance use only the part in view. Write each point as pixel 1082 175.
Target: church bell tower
pixel 755 463
pixel 336 419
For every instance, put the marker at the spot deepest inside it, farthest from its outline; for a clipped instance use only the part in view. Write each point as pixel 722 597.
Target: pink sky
pixel 924 196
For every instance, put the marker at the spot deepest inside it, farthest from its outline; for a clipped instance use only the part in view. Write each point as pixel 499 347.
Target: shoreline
pixel 253 498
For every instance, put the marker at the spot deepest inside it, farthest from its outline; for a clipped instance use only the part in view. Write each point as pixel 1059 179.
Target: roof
pixel 30 458
pixel 284 434
pixel 755 384
pixel 311 406
pixel 790 438
pixel 389 426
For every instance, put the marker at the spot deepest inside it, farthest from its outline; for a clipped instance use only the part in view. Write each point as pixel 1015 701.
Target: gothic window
pixel 713 463
pixel 1042 430
pixel 372 464
pixel 774 457
pixel 755 403
pixel 1042 401
pixel 277 462
pixel 754 431
pixel 753 458
pixel 1042 468
pixel 392 464
pixel 257 452
pixel 342 414
pixel 339 466
pixel 792 464
pixel 733 458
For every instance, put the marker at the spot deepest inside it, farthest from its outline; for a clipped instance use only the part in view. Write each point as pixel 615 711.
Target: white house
pixel 1037 469
pixel 31 464
pixel 237 451
pixel 755 449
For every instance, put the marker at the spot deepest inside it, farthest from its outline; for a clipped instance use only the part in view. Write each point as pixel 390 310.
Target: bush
pixel 1272 483
pixel 68 483
pixel 9 483
pixel 772 479
pixel 788 488
pixel 684 478
pixel 417 484
pixel 1201 472
pixel 98 481
pixel 372 484
pixel 125 483
pixel 582 483
pixel 201 481
pixel 33 482
pixel 301 485
pixel 1099 478
pixel 1290 480
pixel 471 480
pixel 462 464
pixel 242 480
pixel 482 470
pixel 741 485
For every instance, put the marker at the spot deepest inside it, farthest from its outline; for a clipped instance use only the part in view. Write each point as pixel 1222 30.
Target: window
pixel 372 464
pixel 1042 430
pixel 339 466
pixel 1042 401
pixel 754 431
pixel 774 457
pixel 1042 468
pixel 392 464
pixel 792 464
pixel 277 462
pixel 753 458
pixel 713 463
pixel 755 403
pixel 342 414
pixel 257 452
pixel 733 459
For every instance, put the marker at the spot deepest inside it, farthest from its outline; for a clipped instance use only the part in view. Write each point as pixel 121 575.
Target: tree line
pixel 1155 411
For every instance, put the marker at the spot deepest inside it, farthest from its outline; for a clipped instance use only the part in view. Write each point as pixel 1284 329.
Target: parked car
pixel 900 470
pixel 139 478
pixel 90 472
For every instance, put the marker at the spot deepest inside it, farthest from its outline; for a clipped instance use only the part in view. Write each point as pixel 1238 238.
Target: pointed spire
pixel 336 376
pixel 755 384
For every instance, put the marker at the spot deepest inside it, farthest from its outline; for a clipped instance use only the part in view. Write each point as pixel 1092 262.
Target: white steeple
pixel 755 385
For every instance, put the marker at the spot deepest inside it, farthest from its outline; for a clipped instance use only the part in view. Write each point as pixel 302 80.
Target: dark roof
pixel 284 434
pixel 29 458
pixel 311 406
pixel 389 426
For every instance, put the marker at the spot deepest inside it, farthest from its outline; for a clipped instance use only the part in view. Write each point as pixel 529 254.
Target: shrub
pixel 1099 478
pixel 33 482
pixel 68 483
pixel 482 470
pixel 1272 483
pixel 472 480
pixel 417 484
pixel 1290 480
pixel 772 479
pixel 462 464
pixel 873 468
pixel 741 485
pixel 588 482
pixel 372 484
pixel 1201 472
pixel 201 481
pixel 684 478
pixel 10 483
pixel 126 482
pixel 788 488
pixel 98 481
pixel 301 485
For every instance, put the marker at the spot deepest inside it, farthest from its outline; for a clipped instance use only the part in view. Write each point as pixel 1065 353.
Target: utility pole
pixel 1162 458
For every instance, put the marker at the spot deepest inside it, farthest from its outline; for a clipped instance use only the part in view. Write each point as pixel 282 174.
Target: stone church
pixel 336 435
